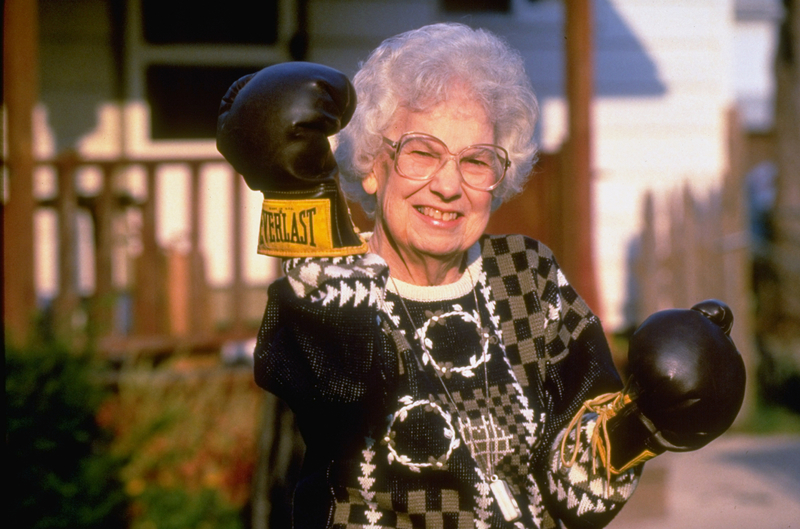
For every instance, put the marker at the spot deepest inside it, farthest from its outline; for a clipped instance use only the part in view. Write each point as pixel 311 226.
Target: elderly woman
pixel 440 377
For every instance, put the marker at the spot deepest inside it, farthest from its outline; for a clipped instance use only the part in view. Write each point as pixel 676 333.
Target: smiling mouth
pixel 437 214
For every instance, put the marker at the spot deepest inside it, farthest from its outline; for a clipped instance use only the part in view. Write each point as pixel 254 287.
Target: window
pixel 192 22
pixel 181 56
pixel 486 6
pixel 184 100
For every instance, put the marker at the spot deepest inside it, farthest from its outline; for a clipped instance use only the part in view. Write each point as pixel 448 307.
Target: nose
pixel 446 182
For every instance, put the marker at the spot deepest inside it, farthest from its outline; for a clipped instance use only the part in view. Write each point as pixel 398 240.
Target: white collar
pixel 459 288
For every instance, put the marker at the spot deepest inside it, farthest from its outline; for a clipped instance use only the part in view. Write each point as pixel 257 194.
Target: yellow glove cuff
pixel 300 228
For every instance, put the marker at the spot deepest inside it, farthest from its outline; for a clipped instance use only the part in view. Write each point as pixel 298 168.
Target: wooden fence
pixel 700 247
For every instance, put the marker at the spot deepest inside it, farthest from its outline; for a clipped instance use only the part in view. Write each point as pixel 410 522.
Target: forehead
pixel 457 122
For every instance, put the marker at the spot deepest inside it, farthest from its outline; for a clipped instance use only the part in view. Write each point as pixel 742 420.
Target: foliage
pixel 61 472
pixel 770 418
pixel 177 508
pixel 190 434
pixel 779 375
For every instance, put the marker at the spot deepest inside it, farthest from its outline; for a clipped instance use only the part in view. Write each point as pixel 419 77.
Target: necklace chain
pixel 485 439
pixel 495 444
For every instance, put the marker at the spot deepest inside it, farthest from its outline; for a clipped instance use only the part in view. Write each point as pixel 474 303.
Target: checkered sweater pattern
pixel 391 444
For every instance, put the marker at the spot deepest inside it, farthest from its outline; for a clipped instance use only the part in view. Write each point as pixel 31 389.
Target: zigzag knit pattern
pixel 385 449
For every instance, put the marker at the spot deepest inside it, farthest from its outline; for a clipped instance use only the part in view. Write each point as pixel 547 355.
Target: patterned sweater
pixel 410 408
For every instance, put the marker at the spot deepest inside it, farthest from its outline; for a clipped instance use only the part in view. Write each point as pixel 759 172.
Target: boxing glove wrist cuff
pixel 634 437
pixel 615 453
pixel 307 223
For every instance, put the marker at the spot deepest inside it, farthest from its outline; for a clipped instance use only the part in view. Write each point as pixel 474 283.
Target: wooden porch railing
pixel 169 292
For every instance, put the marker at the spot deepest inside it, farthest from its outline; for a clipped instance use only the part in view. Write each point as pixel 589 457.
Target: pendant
pixel 505 500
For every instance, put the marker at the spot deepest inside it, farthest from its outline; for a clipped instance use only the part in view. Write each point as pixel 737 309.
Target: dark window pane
pixel 193 22
pixel 497 6
pixel 184 100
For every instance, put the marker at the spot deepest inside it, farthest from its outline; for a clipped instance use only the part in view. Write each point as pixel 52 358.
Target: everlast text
pixel 288 226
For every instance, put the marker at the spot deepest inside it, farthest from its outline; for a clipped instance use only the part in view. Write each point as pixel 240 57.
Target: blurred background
pixel 669 173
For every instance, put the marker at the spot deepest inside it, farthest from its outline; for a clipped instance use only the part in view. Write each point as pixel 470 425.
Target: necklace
pixel 487 442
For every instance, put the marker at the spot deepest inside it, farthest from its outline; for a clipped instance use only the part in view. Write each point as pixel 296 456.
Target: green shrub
pixel 188 433
pixel 60 471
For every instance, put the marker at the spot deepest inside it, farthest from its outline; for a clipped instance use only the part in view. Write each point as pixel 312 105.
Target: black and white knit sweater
pixel 391 395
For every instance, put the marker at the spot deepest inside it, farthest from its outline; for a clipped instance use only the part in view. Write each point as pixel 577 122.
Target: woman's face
pixel 440 217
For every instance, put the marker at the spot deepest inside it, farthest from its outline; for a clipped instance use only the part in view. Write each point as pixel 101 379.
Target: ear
pixel 370 183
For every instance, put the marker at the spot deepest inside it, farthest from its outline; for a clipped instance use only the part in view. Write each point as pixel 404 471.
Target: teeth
pixel 436 214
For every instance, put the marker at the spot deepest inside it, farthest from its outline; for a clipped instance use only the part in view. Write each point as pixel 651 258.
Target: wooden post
pixel 21 90
pixel 66 204
pixel 736 262
pixel 648 268
pixel 148 307
pixel 237 290
pixel 578 259
pixel 691 263
pixel 787 202
pixel 676 265
pixel 198 318
pixel 103 303
pixel 179 292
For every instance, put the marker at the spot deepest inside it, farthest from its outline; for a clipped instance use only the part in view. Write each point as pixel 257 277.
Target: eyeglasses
pixel 418 156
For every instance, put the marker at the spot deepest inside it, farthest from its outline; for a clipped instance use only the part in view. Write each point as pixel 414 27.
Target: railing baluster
pixel 66 304
pixel 148 278
pixel 104 299
pixel 237 289
pixel 198 321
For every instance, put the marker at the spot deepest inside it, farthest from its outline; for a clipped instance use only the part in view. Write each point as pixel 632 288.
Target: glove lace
pixel 605 406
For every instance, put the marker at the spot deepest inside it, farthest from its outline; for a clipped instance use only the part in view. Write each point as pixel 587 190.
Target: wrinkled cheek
pixel 394 226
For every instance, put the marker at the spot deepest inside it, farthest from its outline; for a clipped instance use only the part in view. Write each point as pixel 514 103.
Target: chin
pixel 441 250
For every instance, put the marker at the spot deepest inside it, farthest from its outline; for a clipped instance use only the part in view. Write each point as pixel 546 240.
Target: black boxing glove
pixel 273 128
pixel 685 387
